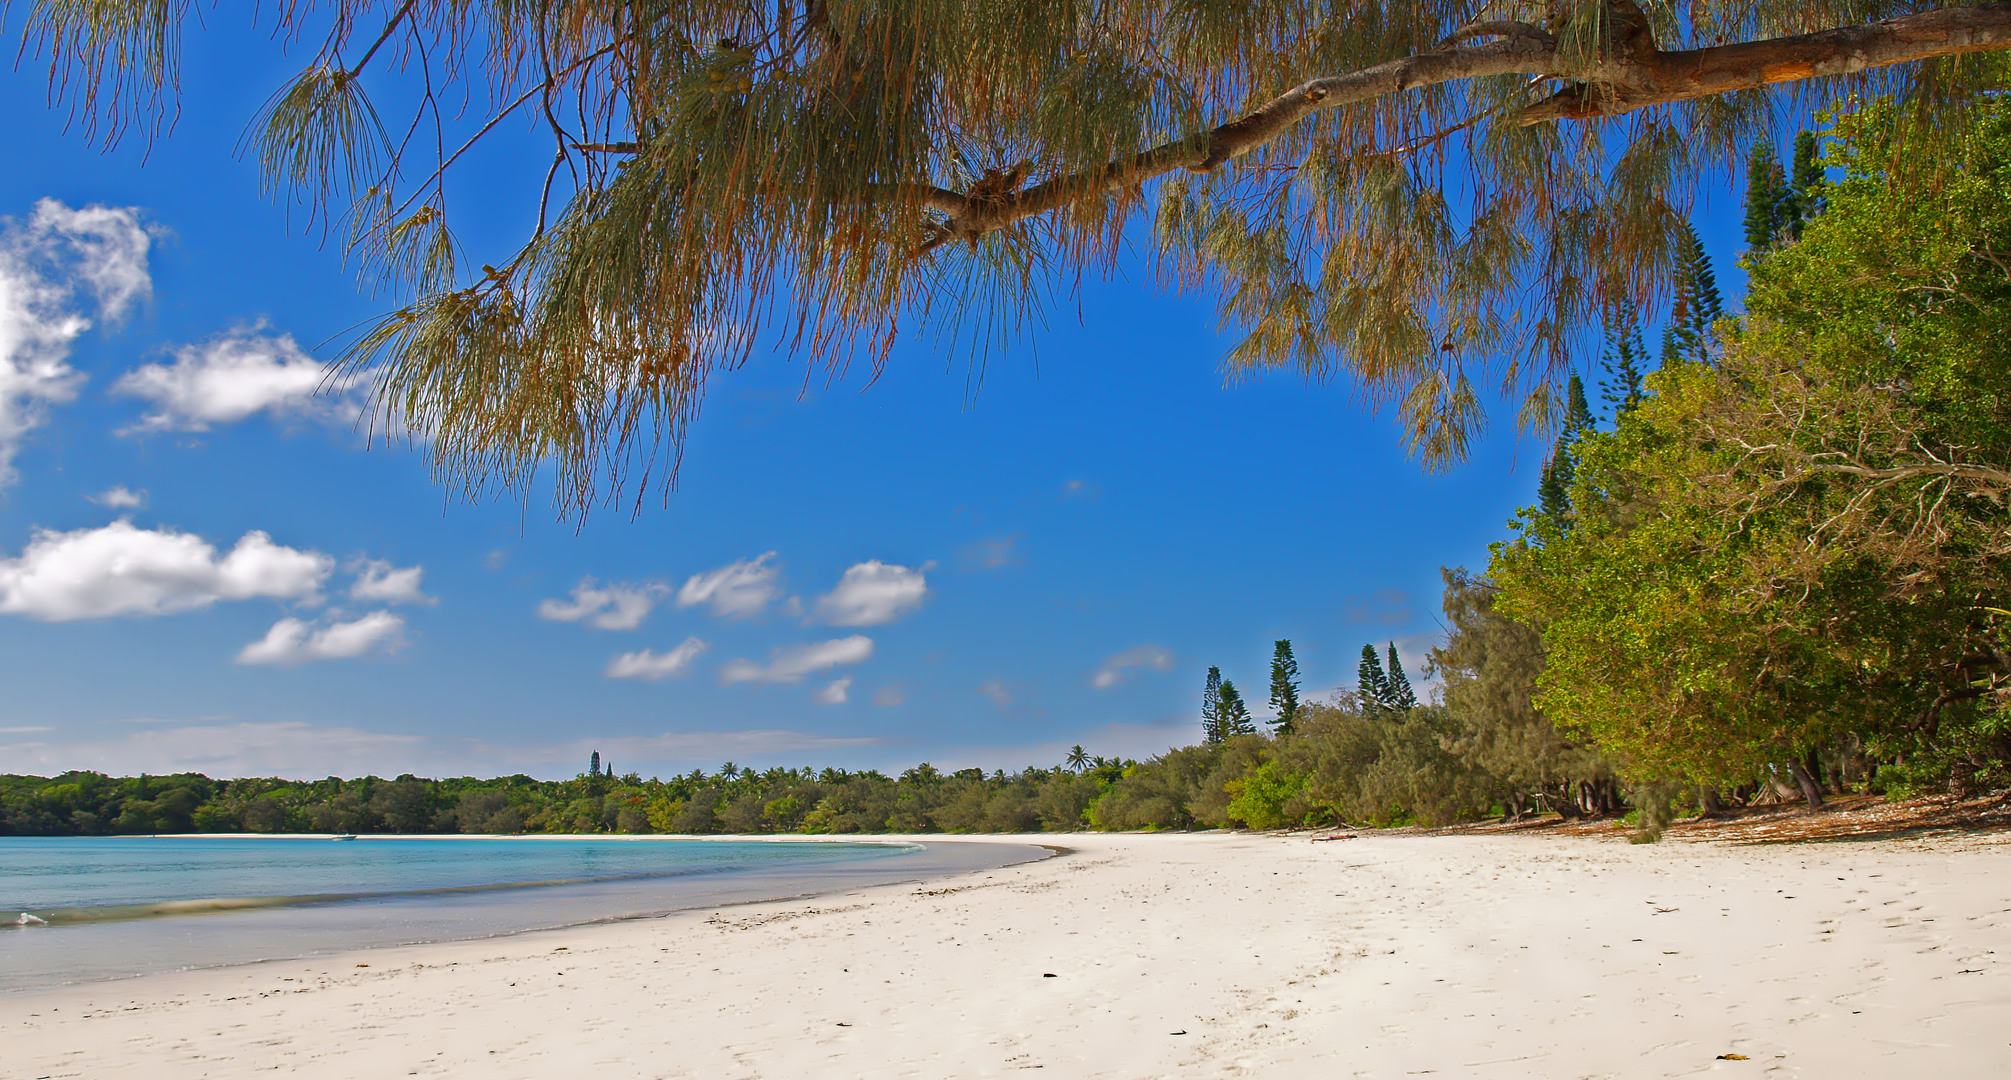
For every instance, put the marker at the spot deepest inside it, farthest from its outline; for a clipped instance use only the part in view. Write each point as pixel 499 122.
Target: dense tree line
pixel 731 800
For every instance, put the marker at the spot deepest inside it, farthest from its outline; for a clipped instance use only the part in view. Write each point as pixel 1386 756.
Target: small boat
pixel 344 836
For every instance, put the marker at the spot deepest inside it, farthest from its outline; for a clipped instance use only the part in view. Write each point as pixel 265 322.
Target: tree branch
pixel 1661 78
pixel 1633 75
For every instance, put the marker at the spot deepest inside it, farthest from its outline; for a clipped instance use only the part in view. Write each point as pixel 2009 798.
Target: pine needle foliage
pixel 1284 687
pixel 1211 707
pixel 1696 304
pixel 1372 685
pixel 1624 364
pixel 1419 198
pixel 1401 697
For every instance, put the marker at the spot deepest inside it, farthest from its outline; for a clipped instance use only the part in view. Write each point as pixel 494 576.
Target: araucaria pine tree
pixel 1372 686
pixel 594 764
pixel 1766 198
pixel 1401 697
pixel 1232 717
pixel 1696 304
pixel 1211 706
pixel 1803 199
pixel 1284 687
pixel 1623 360
pixel 1553 490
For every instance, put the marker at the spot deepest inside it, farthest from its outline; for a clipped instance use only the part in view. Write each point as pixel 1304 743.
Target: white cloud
pixel 29 730
pixel 890 695
pixel 871 593
pixel 119 497
pixel 738 589
pixel 377 581
pixel 996 691
pixel 292 641
pixel 619 606
pixel 835 692
pixel 228 378
pixel 790 665
pixel 1118 668
pixel 55 268
pixel 123 570
pixel 651 665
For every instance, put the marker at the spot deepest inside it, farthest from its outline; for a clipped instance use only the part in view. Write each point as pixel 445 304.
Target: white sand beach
pixel 1159 956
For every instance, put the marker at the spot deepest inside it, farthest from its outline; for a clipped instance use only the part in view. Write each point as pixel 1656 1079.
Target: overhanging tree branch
pixel 1628 74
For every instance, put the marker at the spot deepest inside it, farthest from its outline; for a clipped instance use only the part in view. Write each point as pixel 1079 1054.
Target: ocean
pixel 79 909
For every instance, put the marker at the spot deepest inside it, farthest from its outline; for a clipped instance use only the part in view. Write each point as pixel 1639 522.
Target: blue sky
pixel 203 567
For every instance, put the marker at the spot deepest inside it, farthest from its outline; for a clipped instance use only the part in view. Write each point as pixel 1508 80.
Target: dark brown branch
pixel 1631 74
pixel 1625 84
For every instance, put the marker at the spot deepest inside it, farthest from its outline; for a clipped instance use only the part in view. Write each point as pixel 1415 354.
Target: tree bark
pixel 1627 74
pixel 1708 801
pixel 1811 790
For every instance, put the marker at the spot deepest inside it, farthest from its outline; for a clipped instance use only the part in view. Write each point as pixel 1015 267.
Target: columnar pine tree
pixel 1373 687
pixel 1803 199
pixel 1232 717
pixel 1622 359
pixel 594 764
pixel 1402 698
pixel 1696 304
pixel 1284 687
pixel 1553 490
pixel 1211 706
pixel 1766 194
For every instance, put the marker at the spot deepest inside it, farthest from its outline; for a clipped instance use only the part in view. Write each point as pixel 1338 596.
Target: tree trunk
pixel 1707 799
pixel 1813 763
pixel 1811 790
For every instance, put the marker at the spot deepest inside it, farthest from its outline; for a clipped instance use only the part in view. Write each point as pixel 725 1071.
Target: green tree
pixel 1232 715
pixel 1782 566
pixel 1372 686
pixel 1767 198
pixel 1284 686
pixel 726 177
pixel 1078 758
pixel 1553 488
pixel 1695 305
pixel 1402 698
pixel 1211 706
pixel 1624 362
pixel 1490 664
pixel 1803 198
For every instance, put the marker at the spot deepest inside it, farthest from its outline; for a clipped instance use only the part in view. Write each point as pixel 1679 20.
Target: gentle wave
pixel 164 908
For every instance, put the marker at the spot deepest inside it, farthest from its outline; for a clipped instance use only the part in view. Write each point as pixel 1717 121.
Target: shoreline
pixel 165 938
pixel 1210 954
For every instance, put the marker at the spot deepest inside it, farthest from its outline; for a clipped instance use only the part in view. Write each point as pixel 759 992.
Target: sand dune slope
pixel 1149 956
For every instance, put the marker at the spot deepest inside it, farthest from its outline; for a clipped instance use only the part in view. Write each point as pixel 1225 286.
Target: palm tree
pixel 1078 760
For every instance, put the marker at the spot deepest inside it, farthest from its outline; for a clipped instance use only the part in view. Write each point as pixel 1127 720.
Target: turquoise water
pixel 75 909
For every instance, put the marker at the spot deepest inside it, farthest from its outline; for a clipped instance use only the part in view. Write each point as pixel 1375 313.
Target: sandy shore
pixel 1151 956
